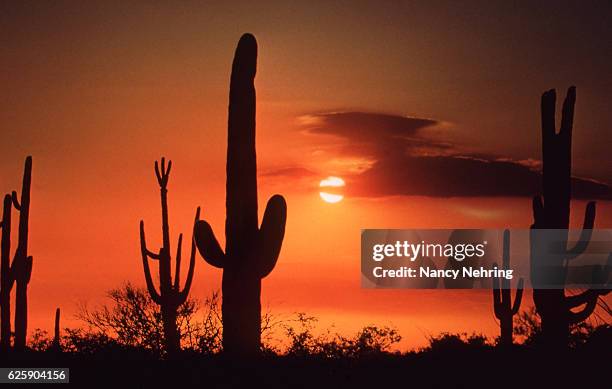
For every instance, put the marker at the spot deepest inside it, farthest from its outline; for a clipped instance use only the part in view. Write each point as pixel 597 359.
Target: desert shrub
pixel 370 340
pixel 528 329
pixel 448 342
pixel 133 321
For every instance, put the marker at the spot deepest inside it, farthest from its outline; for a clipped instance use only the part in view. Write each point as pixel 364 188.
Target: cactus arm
pixel 7 268
pixel 518 297
pixel 24 209
pixel 586 296
pixel 156 297
pixel 164 173
pixel 207 244
pixel 177 270
pixel 579 299
pixel 15 200
pixel 143 244
pixel 585 234
pixel 192 260
pixel 497 300
pixel 271 234
pixel 591 304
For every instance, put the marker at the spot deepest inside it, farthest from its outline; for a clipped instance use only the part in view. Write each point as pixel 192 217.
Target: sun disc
pixel 331 197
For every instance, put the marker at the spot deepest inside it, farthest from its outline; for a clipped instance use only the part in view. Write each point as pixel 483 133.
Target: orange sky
pixel 96 93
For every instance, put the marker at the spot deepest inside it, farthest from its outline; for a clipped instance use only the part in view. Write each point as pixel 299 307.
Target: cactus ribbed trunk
pixel 550 305
pixel 172 337
pixel 21 315
pixel 241 287
pixel 241 310
pixel 506 330
pixel 168 307
pixel 251 252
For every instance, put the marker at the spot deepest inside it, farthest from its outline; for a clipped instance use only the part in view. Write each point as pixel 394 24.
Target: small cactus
pixel 251 251
pixel 170 295
pixel 503 307
pixel 56 345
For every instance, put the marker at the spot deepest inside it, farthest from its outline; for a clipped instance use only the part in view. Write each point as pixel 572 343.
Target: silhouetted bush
pixel 369 341
pixel 447 342
pixel 528 329
pixel 134 321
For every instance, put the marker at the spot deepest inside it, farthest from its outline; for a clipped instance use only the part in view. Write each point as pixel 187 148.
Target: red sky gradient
pixel 96 93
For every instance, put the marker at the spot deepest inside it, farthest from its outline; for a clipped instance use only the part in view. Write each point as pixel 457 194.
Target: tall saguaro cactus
pixel 553 306
pixel 170 295
pixel 251 251
pixel 502 299
pixel 21 268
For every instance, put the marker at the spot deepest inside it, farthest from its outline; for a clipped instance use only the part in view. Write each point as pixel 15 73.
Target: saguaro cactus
pixel 6 278
pixel 251 252
pixel 170 295
pixel 21 269
pixel 503 307
pixel 553 306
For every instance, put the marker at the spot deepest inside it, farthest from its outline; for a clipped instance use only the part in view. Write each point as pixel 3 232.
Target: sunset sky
pixel 429 112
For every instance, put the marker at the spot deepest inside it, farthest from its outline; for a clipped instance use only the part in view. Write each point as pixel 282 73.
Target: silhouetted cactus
pixel 56 345
pixel 553 306
pixel 6 278
pixel 20 270
pixel 503 307
pixel 22 264
pixel 251 252
pixel 170 295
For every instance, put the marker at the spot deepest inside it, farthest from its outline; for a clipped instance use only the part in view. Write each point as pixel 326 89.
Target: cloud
pixel 410 156
pixel 294 172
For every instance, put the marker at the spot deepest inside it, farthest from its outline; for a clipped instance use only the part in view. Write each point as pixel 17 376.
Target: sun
pixel 329 186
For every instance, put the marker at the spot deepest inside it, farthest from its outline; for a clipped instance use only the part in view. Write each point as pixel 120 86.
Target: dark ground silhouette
pixel 450 361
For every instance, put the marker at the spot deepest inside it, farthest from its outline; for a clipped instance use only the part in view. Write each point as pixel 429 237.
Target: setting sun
pixel 329 185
